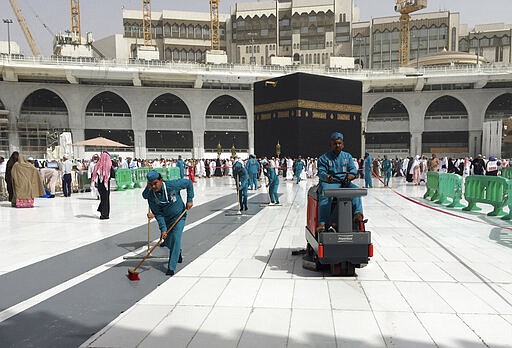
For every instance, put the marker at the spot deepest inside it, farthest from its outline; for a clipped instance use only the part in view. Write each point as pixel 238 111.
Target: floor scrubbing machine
pixel 343 245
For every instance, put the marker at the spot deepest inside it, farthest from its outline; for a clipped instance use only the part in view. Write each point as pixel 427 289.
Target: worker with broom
pixel 166 205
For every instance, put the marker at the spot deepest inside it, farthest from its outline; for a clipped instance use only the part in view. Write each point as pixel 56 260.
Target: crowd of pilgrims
pixel 413 168
pixel 207 168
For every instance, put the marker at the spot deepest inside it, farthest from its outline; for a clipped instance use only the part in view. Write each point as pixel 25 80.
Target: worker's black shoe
pixel 169 272
pixel 180 259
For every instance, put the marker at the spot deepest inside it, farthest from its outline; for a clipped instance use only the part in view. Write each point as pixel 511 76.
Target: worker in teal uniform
pixel 273 182
pixel 166 206
pixel 181 165
pixel 241 177
pixel 253 167
pixel 367 164
pixel 336 169
pixel 298 167
pixel 387 168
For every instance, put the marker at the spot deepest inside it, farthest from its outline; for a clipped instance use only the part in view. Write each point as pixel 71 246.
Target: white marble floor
pixel 435 281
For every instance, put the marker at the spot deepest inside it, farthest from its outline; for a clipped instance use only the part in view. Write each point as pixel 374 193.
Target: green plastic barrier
pixel 124 179
pixel 173 173
pixel 506 173
pixel 450 186
pixel 493 190
pixel 139 176
pixel 432 185
pixel 163 172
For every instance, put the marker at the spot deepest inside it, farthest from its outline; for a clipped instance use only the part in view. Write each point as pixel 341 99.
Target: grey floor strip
pixel 71 317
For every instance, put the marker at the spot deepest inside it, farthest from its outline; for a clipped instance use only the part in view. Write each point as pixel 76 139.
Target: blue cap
pixel 252 156
pixel 336 135
pixel 264 163
pixel 153 175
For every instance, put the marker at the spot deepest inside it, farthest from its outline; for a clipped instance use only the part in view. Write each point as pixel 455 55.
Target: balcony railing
pixel 247 69
pixel 108 114
pixel 226 117
pixel 168 115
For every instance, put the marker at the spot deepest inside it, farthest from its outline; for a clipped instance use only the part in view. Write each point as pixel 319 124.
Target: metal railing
pixel 226 117
pixel 108 114
pixel 170 149
pixel 248 69
pixel 168 115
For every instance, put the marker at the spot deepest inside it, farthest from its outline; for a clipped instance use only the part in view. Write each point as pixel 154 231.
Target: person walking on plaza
pixel 67 168
pixel 478 165
pixel 492 167
pixel 26 183
pixel 191 170
pixel 103 171
pixel 90 170
pixel 330 167
pixel 241 177
pixel 415 170
pixel 49 178
pixel 8 174
pixel 433 164
pixel 273 182
pixel 367 165
pixel 180 164
pixel 3 186
pixel 166 206
pixel 298 167
pixel 253 167
pixel 386 170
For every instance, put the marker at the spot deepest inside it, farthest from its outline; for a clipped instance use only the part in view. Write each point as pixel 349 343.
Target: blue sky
pixel 103 17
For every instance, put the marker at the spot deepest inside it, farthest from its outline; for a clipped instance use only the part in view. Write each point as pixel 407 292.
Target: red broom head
pixel 133 275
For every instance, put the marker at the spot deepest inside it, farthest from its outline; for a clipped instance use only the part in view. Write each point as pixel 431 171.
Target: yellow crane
pixel 215 24
pixel 26 31
pixel 146 22
pixel 405 7
pixel 75 21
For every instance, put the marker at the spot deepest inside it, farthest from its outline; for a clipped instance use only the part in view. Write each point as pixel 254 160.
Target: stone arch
pixel 500 107
pixel 446 124
pixel 43 116
pixel 226 105
pixel 387 128
pixel 46 106
pixel 388 108
pixel 107 102
pixel 168 104
pixel 446 105
pixel 499 114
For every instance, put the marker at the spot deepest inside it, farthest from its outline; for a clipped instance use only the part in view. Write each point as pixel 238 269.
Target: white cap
pixel 30 158
pixel 65 155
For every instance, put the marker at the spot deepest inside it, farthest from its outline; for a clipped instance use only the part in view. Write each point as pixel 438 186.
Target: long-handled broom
pixel 239 212
pixel 138 257
pixel 132 272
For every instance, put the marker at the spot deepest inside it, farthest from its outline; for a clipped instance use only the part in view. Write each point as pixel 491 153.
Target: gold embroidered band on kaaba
pixel 308 104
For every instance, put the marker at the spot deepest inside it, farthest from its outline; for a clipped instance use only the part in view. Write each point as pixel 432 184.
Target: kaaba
pixel 300 111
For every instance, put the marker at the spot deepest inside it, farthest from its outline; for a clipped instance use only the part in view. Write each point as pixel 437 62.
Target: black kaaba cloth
pixel 300 111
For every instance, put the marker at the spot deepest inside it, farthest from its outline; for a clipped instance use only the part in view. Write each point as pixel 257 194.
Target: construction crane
pixel 146 22
pixel 75 21
pixel 405 7
pixel 215 24
pixel 26 31
pixel 71 44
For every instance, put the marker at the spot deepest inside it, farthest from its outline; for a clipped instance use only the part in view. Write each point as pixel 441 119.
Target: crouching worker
pixel 166 205
pixel 331 165
pixel 273 182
